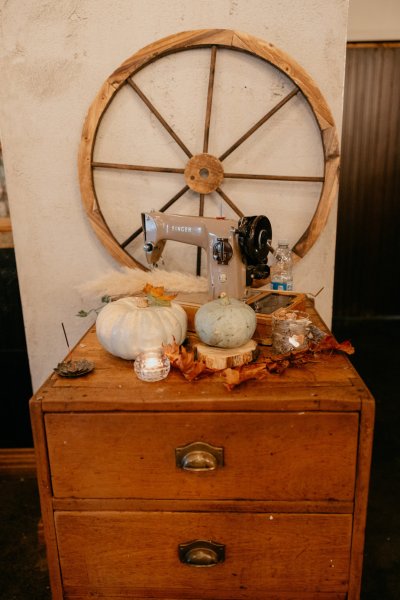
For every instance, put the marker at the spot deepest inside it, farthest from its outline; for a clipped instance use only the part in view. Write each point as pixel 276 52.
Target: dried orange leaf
pixel 191 368
pixel 277 364
pixel 184 360
pixel 172 351
pixel 231 378
pixel 238 375
pixel 157 295
pixel 330 343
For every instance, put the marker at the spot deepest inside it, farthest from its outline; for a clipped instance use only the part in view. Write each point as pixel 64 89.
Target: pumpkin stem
pixel 142 303
pixel 156 295
pixel 224 299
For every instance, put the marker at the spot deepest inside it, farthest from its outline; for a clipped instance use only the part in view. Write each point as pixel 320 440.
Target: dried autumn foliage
pixel 326 345
pixel 330 343
pixel 184 360
pixel 172 351
pixel 237 375
pixel 276 364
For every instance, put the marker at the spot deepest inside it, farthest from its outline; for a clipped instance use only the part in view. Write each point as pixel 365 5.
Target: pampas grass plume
pixel 128 281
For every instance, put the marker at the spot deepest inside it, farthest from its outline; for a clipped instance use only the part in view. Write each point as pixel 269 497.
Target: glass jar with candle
pixel 152 365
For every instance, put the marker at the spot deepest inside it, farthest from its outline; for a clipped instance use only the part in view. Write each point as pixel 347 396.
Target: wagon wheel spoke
pixel 201 205
pixel 132 237
pixel 273 177
pixel 257 125
pixel 125 167
pixel 198 257
pixel 135 234
pixel 209 98
pixel 229 202
pixel 207 136
pixel 155 112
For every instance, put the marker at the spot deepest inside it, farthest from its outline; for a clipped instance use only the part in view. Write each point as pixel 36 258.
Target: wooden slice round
pixel 222 358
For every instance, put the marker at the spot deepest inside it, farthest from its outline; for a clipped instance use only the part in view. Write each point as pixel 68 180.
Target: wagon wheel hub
pixel 204 173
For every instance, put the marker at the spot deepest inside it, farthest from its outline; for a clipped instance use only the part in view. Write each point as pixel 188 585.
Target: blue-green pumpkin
pixel 225 322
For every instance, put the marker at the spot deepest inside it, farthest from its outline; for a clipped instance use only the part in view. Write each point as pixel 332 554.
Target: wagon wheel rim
pixel 204 172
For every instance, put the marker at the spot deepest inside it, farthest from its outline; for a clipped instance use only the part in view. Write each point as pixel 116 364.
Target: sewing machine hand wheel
pixel 203 172
pixel 255 236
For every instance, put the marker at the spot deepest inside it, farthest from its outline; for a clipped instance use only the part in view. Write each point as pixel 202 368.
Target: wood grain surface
pixel 288 500
pixel 119 552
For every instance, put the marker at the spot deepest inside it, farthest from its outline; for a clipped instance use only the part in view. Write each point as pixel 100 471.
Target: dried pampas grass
pixel 128 281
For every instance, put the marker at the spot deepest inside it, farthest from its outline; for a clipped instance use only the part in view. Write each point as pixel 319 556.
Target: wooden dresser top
pixel 330 383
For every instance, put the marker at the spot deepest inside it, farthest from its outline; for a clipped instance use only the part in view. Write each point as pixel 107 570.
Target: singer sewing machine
pixel 236 250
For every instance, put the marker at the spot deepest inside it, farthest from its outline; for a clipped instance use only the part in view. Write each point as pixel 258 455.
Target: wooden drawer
pixel 273 456
pixel 135 554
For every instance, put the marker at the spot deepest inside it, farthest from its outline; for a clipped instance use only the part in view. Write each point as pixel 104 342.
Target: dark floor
pixel 23 572
pixel 377 360
pixel 23 567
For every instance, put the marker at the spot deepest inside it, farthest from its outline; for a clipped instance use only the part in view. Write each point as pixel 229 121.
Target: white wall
pixel 372 20
pixel 54 57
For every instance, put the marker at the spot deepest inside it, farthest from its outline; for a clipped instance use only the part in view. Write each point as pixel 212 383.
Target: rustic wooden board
pixel 176 505
pixel 331 383
pixel 79 594
pixel 275 456
pixel 113 371
pixel 289 552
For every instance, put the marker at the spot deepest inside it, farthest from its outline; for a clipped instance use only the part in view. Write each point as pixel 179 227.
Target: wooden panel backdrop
pixel 367 272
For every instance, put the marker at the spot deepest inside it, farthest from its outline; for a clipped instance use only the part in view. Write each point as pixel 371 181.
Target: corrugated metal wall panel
pixel 367 272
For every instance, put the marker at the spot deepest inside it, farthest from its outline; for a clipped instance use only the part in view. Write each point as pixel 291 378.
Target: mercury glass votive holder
pixel 290 330
pixel 152 365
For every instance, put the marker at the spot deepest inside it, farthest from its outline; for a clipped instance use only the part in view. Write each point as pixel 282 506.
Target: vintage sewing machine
pixel 236 251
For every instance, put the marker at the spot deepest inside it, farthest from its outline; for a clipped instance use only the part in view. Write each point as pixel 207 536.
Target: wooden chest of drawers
pixel 177 490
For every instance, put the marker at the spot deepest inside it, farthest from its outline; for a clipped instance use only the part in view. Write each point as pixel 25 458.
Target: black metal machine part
pixel 255 236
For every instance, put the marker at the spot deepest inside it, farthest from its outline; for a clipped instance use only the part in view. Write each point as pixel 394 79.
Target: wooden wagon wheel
pixel 204 172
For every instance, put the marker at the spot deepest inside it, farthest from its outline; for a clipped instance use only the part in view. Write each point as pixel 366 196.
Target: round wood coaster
pixel 222 358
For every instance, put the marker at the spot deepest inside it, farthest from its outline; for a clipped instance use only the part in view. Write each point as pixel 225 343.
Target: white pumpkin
pixel 225 322
pixel 129 326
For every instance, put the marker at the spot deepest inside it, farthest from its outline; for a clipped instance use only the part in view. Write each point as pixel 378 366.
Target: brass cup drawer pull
pixel 201 553
pixel 199 456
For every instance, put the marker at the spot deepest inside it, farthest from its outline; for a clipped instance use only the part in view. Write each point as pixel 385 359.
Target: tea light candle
pixel 152 365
